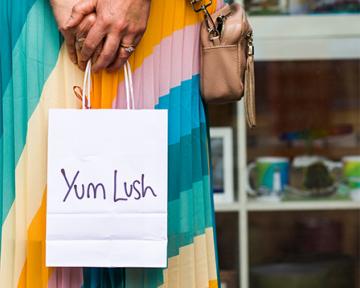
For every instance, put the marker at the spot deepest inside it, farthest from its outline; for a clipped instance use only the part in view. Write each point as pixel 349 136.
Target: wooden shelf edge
pixel 302 205
pixel 227 207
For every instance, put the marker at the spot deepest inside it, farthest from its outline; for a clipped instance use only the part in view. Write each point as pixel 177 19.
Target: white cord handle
pixel 129 89
pixel 86 86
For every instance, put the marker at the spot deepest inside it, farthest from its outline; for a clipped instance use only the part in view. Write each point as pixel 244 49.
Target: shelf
pixel 302 205
pixel 306 37
pixel 254 205
pixel 306 26
pixel 227 207
pixel 332 152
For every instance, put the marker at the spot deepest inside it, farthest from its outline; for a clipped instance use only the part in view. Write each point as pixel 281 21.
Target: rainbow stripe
pixel 36 75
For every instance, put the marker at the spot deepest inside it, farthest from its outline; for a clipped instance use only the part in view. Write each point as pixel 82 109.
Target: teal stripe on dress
pixel 186 112
pixel 189 216
pixel 33 58
pixel 187 161
pixel 186 122
pixel 13 14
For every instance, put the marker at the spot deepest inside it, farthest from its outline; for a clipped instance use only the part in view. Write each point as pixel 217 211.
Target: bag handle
pixel 129 89
pixel 86 87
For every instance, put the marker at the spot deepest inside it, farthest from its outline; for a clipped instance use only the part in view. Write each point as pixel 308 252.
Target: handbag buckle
pixel 198 5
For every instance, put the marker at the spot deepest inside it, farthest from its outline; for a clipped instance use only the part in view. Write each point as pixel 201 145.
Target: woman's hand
pixel 119 23
pixel 62 12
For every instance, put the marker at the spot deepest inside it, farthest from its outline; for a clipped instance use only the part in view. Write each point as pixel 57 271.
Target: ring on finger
pixel 128 48
pixel 80 39
pixel 79 42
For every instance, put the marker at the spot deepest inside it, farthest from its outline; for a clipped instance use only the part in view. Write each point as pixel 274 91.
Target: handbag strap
pixel 202 6
pixel 129 88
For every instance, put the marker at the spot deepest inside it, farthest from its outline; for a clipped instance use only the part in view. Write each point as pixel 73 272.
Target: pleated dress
pixel 36 75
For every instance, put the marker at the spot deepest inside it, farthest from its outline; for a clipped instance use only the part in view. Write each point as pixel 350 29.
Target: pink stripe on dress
pixel 66 278
pixel 174 60
pixel 219 4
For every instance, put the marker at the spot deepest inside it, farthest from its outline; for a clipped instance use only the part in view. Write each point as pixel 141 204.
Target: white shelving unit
pixel 308 37
pixel 290 38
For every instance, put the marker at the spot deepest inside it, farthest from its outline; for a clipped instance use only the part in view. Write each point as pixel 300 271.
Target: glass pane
pixel 228 248
pixel 297 249
pixel 223 129
pixel 305 149
pixel 308 113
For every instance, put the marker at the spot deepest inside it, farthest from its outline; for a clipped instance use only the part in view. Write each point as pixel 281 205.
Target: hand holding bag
pixel 227 57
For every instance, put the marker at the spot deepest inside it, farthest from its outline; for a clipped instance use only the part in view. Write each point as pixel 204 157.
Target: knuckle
pixel 63 29
pixel 91 19
pixel 120 25
pixel 133 31
pixel 105 21
pixel 76 9
pixel 90 46
pixel 136 30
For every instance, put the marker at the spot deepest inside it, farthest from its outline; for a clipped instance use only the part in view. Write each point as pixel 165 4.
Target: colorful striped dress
pixel 36 74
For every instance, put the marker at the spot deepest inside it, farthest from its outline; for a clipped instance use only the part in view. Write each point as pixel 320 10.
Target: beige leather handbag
pixel 227 57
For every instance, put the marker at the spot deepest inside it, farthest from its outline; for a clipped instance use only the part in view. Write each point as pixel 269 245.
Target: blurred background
pixel 287 193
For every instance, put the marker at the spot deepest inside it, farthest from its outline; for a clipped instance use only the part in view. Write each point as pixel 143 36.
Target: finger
pixel 131 40
pixel 80 10
pixel 81 31
pixel 85 25
pixel 82 64
pixel 93 39
pixel 97 52
pixel 119 61
pixel 70 45
pixel 108 53
pixel 78 45
pixel 123 55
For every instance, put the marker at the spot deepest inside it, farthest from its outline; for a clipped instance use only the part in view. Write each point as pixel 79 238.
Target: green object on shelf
pixel 317 176
pixel 342 194
pixel 335 197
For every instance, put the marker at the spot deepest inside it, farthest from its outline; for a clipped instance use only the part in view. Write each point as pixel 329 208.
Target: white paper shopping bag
pixel 107 186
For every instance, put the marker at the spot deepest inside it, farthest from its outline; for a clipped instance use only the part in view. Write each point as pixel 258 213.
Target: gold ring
pixel 80 40
pixel 128 48
pixel 127 45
